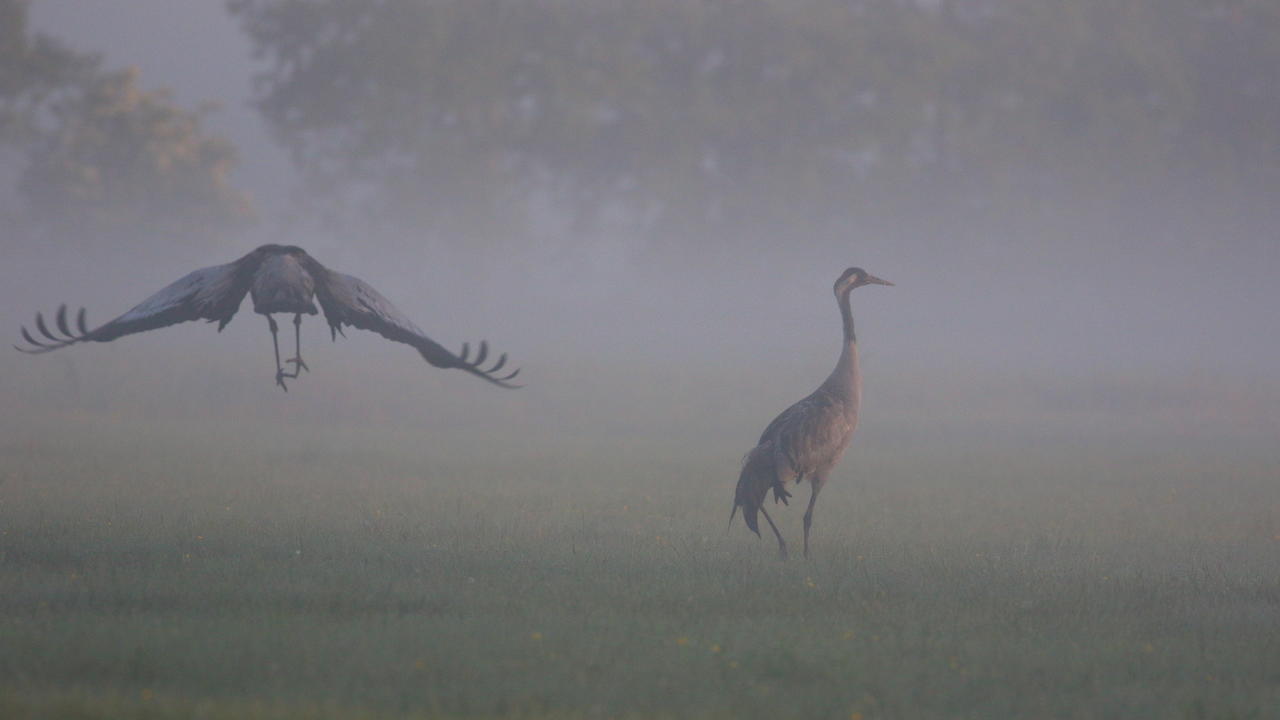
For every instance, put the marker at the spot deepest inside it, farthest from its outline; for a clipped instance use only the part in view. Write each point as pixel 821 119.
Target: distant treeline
pixel 485 118
pixel 697 113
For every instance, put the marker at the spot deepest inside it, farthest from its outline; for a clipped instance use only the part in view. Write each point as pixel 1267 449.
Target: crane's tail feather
pixel 757 477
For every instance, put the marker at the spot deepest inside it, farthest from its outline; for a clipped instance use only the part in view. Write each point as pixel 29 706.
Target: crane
pixel 280 279
pixel 807 439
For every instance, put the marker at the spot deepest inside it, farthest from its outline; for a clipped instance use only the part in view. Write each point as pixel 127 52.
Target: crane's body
pixel 280 279
pixel 282 284
pixel 807 440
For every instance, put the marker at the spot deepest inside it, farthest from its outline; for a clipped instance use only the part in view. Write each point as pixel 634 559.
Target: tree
pixel 32 68
pixel 705 116
pixel 126 163
pixel 102 160
pixel 742 119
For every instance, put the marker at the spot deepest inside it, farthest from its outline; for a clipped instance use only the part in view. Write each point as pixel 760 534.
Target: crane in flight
pixel 280 279
pixel 808 439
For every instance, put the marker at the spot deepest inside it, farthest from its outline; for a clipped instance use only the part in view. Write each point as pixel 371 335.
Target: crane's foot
pixel 281 375
pixel 781 494
pixel 782 552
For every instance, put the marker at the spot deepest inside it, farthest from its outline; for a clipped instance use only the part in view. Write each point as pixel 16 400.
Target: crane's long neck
pixel 846 315
pixel 846 380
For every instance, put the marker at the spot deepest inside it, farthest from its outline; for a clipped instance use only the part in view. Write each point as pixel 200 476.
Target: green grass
pixel 312 573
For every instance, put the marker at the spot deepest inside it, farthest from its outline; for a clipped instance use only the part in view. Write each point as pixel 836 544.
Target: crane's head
pixel 856 277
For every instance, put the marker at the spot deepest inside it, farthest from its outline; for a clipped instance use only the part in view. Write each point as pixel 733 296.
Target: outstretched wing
pixel 348 300
pixel 212 293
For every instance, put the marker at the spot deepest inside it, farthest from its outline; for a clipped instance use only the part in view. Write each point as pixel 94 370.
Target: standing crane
pixel 808 438
pixel 281 279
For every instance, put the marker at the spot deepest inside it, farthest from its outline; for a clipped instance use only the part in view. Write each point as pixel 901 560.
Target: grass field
pixel 172 571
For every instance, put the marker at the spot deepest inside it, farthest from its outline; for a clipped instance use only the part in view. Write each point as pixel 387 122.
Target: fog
pixel 1061 500
pixel 1149 319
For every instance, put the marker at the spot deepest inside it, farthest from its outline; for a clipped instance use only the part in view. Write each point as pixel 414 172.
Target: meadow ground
pixel 267 573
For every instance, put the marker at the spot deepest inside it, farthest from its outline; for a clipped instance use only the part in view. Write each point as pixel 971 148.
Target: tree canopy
pixel 738 115
pixel 99 159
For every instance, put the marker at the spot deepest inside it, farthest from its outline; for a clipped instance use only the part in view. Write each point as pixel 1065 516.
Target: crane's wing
pixel 348 300
pixel 212 293
pixel 786 419
pixel 808 426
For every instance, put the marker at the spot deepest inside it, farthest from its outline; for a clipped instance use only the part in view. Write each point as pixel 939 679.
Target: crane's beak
pixel 873 280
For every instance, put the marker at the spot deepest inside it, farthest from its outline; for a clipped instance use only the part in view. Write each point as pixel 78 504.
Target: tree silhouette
pixel 98 159
pixel 731 119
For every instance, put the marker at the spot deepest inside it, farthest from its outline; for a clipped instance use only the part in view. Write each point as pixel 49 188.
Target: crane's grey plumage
pixel 280 279
pixel 808 438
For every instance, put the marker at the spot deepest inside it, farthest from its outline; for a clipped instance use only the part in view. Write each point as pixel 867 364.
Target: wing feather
pixel 212 293
pixel 811 427
pixel 348 300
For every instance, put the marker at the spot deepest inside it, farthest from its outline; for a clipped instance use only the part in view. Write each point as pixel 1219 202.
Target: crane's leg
pixel 782 545
pixel 816 484
pixel 298 364
pixel 275 344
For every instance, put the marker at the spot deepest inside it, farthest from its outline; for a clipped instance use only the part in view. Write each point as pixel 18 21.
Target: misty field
pixel 223 570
